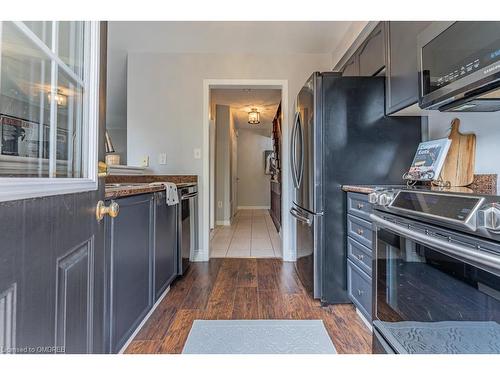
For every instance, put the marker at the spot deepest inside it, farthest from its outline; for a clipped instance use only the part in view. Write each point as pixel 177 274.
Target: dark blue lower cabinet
pixel 129 250
pixel 141 248
pixel 359 253
pixel 359 287
pixel 165 249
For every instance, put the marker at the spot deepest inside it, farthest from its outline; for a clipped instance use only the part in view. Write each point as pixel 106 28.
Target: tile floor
pixel 251 235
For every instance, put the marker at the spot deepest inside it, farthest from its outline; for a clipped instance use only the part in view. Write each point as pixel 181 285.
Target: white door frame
pixel 204 226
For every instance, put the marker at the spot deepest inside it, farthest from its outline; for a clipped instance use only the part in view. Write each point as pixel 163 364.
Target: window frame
pixel 15 188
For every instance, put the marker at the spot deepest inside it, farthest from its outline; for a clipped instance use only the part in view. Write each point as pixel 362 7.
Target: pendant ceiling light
pixel 254 117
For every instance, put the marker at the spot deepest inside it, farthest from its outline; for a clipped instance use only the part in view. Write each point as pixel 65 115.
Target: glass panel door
pixel 42 99
pixel 429 302
pixel 24 107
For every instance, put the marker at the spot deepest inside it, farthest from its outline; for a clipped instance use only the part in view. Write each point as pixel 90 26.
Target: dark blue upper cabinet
pixel 401 64
pixel 371 54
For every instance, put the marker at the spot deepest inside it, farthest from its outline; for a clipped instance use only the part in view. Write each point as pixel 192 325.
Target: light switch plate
pixel 145 161
pixel 162 158
pixel 197 153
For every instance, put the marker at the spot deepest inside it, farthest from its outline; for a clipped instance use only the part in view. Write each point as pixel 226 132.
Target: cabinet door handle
pixel 360 292
pixel 360 206
pixel 360 256
pixel 360 231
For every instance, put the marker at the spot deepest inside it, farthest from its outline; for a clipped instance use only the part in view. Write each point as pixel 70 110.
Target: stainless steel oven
pixel 459 66
pixel 188 213
pixel 436 288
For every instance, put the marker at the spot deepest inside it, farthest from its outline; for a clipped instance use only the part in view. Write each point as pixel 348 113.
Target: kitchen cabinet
pixel 165 244
pixel 351 67
pixel 359 252
pixel 275 210
pixel 141 254
pixel 275 184
pixel 401 64
pixel 390 49
pixel 359 288
pixel 129 248
pixel 369 58
pixel 371 55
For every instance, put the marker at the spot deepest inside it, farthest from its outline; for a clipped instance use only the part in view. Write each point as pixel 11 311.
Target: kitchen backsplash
pixel 486 126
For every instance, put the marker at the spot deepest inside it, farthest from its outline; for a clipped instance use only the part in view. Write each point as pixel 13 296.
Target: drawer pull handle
pixel 360 256
pixel 360 231
pixel 360 206
pixel 360 292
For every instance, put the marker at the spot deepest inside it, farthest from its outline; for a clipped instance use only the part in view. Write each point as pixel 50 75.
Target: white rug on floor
pixel 258 337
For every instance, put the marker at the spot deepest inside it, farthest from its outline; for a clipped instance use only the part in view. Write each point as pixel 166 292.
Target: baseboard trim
pixel 254 207
pixel 124 347
pixel 223 222
pixel 199 256
pixel 363 318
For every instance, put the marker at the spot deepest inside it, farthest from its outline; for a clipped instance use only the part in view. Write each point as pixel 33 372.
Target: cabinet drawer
pixel 359 288
pixel 358 205
pixel 360 255
pixel 360 230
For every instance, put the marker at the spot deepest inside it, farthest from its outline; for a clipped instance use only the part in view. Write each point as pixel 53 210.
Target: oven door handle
pixel 188 196
pixel 479 258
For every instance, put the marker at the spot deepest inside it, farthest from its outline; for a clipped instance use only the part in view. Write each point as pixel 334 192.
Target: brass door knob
pixel 102 169
pixel 112 210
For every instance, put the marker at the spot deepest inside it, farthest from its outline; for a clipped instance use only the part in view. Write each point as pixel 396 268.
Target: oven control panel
pixel 462 210
pixel 444 206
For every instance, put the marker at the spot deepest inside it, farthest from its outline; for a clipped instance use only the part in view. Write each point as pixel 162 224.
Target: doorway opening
pixel 246 177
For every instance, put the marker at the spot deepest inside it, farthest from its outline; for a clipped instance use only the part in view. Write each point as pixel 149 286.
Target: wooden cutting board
pixel 458 167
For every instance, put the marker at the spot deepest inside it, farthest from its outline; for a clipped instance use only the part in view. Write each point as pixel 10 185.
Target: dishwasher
pixel 188 220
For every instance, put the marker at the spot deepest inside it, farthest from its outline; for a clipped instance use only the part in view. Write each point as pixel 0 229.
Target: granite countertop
pixel 485 184
pixel 137 184
pixel 362 189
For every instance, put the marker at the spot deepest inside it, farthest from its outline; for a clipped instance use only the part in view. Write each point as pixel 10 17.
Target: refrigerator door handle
pixel 300 171
pixel 296 214
pixel 293 152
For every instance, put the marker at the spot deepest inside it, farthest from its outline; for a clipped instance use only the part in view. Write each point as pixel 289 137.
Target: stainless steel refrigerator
pixel 340 136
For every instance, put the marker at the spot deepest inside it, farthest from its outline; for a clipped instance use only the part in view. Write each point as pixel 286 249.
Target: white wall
pixel 486 126
pixel 116 96
pixel 165 101
pixel 254 185
pixel 165 98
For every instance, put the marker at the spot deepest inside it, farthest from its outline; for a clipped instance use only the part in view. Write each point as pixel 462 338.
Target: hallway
pixel 251 235
pixel 243 289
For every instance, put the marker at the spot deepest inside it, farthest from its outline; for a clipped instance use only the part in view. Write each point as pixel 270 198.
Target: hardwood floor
pixel 228 288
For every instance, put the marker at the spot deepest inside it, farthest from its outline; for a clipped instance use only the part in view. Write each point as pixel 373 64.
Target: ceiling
pixel 227 36
pixel 241 101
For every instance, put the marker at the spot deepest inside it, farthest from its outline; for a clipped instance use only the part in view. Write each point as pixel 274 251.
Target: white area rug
pixel 258 337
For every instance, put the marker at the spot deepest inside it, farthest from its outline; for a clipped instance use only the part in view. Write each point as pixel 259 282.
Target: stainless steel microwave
pixel 459 66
